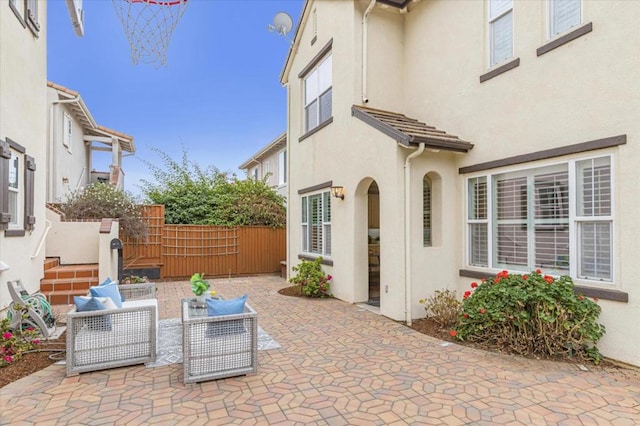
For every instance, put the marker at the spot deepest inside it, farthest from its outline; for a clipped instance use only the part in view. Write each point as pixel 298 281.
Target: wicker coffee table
pixel 218 346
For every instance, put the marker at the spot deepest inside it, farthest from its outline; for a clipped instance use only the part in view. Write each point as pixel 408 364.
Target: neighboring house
pixel 468 137
pixel 23 142
pixel 270 162
pixel 73 138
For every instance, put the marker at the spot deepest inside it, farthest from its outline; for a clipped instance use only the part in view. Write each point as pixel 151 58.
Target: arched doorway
pixel 373 241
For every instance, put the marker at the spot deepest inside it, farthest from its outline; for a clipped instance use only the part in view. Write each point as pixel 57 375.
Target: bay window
pixel 557 218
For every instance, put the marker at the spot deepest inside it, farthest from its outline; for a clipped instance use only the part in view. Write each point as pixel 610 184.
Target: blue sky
pixel 219 96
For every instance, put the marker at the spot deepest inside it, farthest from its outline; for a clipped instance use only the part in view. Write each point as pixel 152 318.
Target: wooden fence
pixel 181 250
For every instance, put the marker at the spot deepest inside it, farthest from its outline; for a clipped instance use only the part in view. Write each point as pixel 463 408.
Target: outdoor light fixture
pixel 338 192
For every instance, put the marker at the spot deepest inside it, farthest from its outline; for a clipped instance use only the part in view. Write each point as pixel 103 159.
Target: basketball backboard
pixel 76 13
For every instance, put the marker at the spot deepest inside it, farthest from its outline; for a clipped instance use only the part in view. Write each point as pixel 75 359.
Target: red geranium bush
pixel 531 315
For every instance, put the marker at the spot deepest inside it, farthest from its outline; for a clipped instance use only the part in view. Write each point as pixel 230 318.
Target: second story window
pixel 563 15
pixel 500 31
pixel 31 17
pixel 317 94
pixel 282 168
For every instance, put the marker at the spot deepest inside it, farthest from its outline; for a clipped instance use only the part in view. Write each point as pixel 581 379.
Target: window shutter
pixel 29 180
pixel 426 213
pixel 5 157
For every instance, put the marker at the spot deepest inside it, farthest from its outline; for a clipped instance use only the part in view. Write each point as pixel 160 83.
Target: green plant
pixel 534 315
pixel 443 307
pixel 206 196
pixel 13 343
pixel 198 284
pixel 103 200
pixel 311 278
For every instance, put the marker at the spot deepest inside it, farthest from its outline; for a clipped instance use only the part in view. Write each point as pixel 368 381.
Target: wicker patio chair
pixel 99 340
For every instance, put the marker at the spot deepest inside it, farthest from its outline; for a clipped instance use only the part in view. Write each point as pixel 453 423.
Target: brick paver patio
pixel 339 364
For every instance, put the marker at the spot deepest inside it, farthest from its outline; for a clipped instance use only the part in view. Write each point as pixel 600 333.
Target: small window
pixel 15 191
pixel 282 168
pixel 564 15
pixel 267 167
pixel 500 31
pixel 316 223
pixel 67 131
pixel 426 213
pixel 317 94
pixel 31 17
pixel 255 173
pixel 18 7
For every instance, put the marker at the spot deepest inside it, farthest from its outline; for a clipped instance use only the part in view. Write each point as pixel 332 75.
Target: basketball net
pixel 148 25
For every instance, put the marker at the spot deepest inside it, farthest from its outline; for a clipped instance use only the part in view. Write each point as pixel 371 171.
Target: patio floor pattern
pixel 338 364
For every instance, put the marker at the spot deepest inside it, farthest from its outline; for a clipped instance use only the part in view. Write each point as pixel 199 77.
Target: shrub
pixel 102 200
pixel 534 315
pixel 443 307
pixel 311 278
pixel 13 343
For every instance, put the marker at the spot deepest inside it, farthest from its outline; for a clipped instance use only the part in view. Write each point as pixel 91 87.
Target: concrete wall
pixel 23 119
pixel 73 242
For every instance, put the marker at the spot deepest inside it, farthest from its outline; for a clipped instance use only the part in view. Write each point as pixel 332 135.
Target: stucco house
pixel 23 136
pixel 270 162
pixel 434 142
pixel 73 139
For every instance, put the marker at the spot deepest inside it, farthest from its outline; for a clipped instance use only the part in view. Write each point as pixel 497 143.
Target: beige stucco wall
pixel 584 90
pixel 427 64
pixel 23 119
pixel 73 242
pixel 68 168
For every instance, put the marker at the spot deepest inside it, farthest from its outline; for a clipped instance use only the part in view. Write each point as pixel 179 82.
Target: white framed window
pixel 317 94
pixel 557 218
pixel 67 130
pixel 316 223
pixel 31 17
pixel 16 193
pixel 18 7
pixel 282 168
pixel 563 15
pixel 427 231
pixel 254 174
pixel 267 167
pixel 500 31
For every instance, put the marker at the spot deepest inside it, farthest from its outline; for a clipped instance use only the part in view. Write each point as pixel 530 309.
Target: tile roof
pixel 409 131
pixel 89 125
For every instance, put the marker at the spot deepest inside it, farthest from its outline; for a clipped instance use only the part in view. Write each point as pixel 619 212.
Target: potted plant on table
pixel 199 287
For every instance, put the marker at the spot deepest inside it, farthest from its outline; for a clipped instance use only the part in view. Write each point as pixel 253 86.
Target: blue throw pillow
pixel 109 290
pixel 108 281
pixel 216 307
pixel 103 322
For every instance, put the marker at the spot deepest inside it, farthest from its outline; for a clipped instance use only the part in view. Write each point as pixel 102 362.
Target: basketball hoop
pixel 148 25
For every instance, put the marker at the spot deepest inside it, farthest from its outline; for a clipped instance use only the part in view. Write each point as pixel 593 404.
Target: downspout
pixel 407 231
pixel 365 40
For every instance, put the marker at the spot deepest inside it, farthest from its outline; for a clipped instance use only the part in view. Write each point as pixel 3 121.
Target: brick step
pixel 71 271
pixel 63 297
pixel 63 284
pixel 51 262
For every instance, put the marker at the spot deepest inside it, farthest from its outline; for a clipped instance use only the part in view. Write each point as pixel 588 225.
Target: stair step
pixel 63 297
pixel 72 271
pixel 51 262
pixel 62 284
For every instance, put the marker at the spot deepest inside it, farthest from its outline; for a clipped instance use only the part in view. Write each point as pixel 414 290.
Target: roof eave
pixel 388 130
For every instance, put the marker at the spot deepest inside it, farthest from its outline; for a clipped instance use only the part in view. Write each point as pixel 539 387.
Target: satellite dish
pixel 282 23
